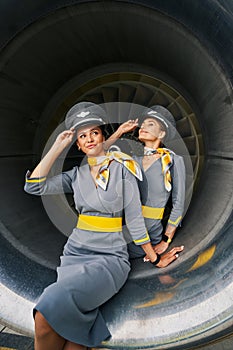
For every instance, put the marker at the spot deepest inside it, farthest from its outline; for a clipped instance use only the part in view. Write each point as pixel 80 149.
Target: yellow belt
pixel 152 213
pixel 99 223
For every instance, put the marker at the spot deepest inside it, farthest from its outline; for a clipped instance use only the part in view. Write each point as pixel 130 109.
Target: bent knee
pixel 42 327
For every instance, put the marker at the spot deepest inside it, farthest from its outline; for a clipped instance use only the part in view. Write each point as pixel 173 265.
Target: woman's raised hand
pixel 128 126
pixel 65 138
pixel 62 141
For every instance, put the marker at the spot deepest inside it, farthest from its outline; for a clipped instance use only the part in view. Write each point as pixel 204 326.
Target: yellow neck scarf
pixel 103 173
pixel 166 161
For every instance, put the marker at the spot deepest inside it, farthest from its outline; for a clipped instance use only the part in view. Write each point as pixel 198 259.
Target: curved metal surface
pixel 186 44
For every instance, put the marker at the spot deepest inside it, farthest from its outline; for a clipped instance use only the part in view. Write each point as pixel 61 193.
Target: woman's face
pixel 150 130
pixel 90 140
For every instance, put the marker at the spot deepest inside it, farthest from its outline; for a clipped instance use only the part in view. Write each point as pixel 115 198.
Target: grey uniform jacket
pixel 121 197
pixel 94 265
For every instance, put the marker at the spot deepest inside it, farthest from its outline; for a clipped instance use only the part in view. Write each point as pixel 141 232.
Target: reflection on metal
pixel 158 299
pixel 179 283
pixel 165 295
pixel 203 258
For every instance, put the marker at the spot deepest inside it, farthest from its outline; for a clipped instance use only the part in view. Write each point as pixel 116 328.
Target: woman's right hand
pixel 128 126
pixel 65 138
pixel 62 141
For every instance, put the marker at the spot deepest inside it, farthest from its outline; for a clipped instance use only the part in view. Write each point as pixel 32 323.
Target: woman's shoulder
pixel 177 158
pixel 174 156
pixel 71 173
pixel 177 162
pixel 130 167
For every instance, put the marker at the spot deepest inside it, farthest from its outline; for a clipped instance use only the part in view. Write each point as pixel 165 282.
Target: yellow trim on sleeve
pixel 175 222
pixel 142 240
pixel 36 180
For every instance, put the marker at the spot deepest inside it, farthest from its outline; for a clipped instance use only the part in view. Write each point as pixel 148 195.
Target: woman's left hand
pixel 170 256
pixel 161 247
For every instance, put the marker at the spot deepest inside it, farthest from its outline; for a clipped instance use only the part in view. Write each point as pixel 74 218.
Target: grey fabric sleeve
pixel 133 210
pixel 61 183
pixel 178 191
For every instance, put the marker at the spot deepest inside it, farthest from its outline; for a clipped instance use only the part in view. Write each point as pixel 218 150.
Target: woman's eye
pixel 95 132
pixel 81 136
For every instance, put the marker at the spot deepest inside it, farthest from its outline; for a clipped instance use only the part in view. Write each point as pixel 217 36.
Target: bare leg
pixel 72 346
pixel 45 337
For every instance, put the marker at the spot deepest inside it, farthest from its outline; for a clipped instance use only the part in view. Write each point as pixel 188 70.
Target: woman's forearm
pixel 45 165
pixel 113 138
pixel 63 140
pixel 128 126
pixel 150 253
pixel 170 232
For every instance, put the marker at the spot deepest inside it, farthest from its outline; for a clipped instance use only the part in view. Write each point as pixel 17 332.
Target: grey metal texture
pixel 46 44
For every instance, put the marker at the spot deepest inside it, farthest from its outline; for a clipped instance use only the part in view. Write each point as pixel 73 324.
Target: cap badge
pixel 82 114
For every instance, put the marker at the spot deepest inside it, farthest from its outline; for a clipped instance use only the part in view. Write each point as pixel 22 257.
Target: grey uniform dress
pixel 154 195
pixel 94 265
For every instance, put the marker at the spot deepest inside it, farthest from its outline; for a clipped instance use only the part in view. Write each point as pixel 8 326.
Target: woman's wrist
pixel 166 238
pixel 119 132
pixel 157 260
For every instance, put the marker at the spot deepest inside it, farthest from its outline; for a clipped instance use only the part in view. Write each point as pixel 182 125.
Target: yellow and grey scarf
pixel 104 173
pixel 166 161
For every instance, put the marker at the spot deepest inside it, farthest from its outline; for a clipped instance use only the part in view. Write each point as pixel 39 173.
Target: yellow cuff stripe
pixel 175 222
pixel 146 239
pixel 36 180
pixel 99 223
pixel 152 213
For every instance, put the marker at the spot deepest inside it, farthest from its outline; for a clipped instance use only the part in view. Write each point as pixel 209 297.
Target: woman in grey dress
pixel 94 264
pixel 163 176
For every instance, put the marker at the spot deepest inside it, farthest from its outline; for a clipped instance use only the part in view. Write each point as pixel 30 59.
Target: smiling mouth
pixel 90 146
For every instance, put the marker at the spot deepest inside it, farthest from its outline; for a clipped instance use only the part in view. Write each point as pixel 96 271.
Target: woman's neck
pixel 100 154
pixel 96 160
pixel 153 144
